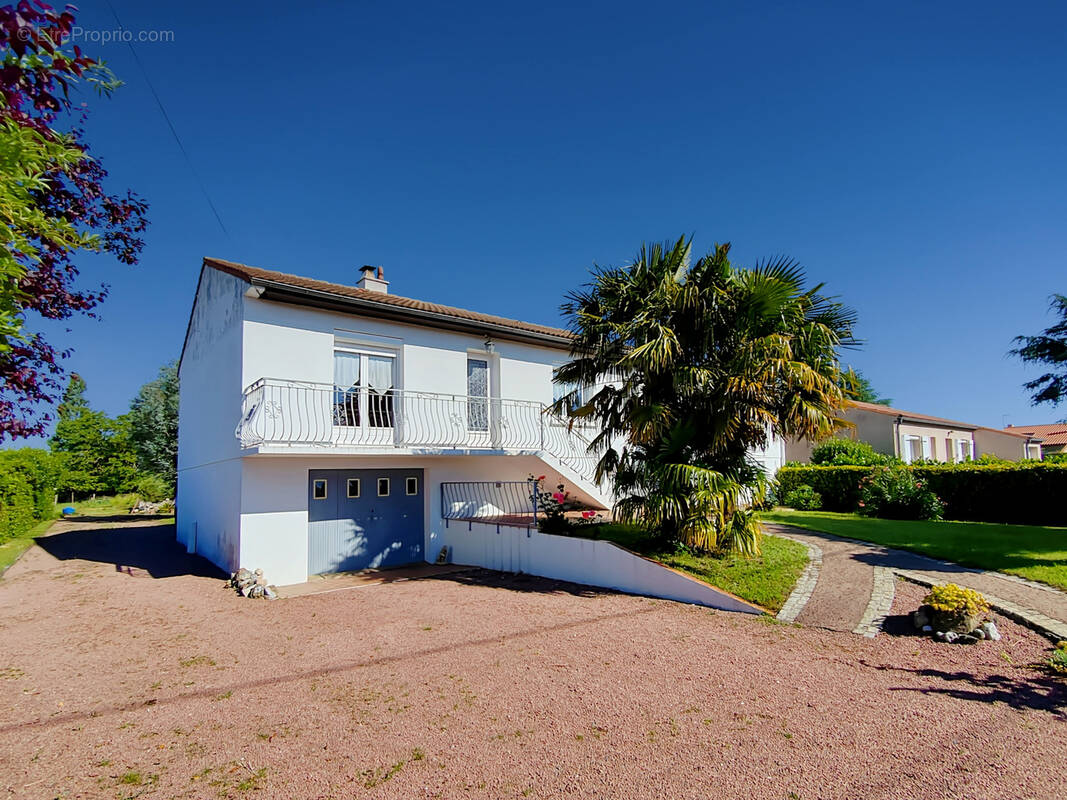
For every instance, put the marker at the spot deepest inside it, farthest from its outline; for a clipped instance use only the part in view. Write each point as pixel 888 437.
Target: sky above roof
pixel 910 155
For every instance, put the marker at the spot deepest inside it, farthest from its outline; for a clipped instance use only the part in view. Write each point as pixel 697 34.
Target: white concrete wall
pixel 291 342
pixel 209 473
pixel 584 561
pixel 274 505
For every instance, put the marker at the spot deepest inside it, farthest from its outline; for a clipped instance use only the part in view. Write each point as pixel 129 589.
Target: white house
pixel 326 427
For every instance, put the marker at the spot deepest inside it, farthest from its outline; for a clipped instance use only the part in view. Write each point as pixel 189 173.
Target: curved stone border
pixel 882 593
pixel 1053 629
pixel 805 583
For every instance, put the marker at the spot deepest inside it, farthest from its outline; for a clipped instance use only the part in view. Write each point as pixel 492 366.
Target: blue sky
pixel 909 154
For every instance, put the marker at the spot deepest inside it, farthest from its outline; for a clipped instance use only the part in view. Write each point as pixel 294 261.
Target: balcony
pixel 279 414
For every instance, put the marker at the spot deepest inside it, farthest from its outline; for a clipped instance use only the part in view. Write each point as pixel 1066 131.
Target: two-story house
pixel 326 427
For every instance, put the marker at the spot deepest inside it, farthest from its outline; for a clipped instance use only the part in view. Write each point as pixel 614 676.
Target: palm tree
pixel 694 365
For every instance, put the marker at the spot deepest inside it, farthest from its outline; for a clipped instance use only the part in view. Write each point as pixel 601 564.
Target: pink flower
pixel 559 497
pixel 588 514
pixel 541 478
pixel 862 504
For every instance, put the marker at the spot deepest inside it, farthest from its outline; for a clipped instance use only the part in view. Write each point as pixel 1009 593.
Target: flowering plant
pixel 550 506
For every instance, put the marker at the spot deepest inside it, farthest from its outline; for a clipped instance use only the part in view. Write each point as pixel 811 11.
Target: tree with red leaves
pixel 53 205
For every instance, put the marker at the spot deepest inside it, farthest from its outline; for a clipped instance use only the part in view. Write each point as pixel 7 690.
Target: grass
pixel 13 548
pixel 107 506
pixel 1030 551
pixel 766 580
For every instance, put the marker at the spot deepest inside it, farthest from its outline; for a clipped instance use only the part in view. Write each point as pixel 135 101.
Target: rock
pixel 928 628
pixel 269 593
pixel 955 621
pixel 258 572
pixel 939 635
pixel 247 591
pixel 966 638
pixel 978 633
pixel 261 581
pixel 920 619
pixel 950 636
pixel 990 631
pixel 243 574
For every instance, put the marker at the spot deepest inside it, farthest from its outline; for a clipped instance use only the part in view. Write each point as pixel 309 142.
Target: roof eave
pixel 298 295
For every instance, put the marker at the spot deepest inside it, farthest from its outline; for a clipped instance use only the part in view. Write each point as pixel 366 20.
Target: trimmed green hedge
pixel 1013 493
pixel 27 490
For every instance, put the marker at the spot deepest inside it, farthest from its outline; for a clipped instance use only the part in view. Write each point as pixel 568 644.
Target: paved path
pixel 853 589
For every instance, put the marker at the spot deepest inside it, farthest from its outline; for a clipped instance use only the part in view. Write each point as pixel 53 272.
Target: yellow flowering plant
pixel 953 599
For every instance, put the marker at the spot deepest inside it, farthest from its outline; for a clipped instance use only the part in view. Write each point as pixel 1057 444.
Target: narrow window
pixel 412 486
pixel 318 489
pixel 383 487
pixel 477 394
pixel 353 487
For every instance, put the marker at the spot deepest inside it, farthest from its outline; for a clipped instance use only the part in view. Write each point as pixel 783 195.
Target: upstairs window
pixel 560 390
pixel 477 394
pixel 364 385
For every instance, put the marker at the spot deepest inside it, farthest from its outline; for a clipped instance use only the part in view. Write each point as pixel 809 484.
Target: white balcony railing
pixel 293 413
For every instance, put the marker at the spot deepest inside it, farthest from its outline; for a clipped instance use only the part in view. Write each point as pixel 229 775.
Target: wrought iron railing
pixel 280 412
pixel 499 500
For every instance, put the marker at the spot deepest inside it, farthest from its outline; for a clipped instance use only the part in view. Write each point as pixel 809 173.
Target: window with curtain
pixel 563 389
pixel 363 389
pixel 346 383
pixel 477 394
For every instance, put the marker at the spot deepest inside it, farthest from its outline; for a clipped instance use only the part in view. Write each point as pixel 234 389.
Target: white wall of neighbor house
pixel 209 461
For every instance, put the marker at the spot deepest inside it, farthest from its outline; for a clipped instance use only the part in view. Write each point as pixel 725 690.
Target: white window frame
pixel 348 488
pixel 964 450
pixel 365 354
pixel 388 487
pixel 407 485
pixel 325 488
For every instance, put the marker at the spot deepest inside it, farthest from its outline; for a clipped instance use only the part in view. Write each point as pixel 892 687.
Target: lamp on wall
pixel 489 347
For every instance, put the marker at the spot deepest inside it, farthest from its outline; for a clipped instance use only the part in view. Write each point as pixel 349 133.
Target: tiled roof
pixel 1055 433
pixel 367 296
pixel 911 415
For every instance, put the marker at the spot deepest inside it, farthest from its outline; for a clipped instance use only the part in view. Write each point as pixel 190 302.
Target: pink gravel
pixel 115 684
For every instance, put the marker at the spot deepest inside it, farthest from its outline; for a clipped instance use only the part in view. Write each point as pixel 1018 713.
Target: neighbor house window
pixel 914 448
pixel 353 487
pixel 477 394
pixel 963 450
pixel 411 486
pixel 383 487
pixel 318 489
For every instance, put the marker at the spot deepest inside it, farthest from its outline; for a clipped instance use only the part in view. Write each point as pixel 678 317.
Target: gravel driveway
pixel 118 684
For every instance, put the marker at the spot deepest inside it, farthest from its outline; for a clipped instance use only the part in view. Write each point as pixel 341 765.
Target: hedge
pixel 1014 493
pixel 27 490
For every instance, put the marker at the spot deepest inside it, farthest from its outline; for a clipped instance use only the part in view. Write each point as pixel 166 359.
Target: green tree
pixel 858 387
pixel 94 450
pixel 154 425
pixel 697 364
pixel 1050 349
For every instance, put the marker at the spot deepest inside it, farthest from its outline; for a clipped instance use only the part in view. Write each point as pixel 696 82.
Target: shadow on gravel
pixel 152 548
pixel 1042 692
pixel 520 583
pixel 901 625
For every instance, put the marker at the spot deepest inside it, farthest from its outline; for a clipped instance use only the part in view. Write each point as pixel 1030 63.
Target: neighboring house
pixel 326 427
pixel 1053 437
pixel 911 437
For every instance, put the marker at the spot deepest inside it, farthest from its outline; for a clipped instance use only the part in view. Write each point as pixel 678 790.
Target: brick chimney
pixel 373 282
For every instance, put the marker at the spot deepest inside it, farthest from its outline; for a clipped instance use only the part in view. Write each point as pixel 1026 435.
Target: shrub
pixel 551 506
pixel 152 488
pixel 1055 458
pixel 1058 661
pixel 1017 493
pixel 952 598
pixel 27 490
pixel 896 493
pixel 847 452
pixel 803 498
pixel 839 487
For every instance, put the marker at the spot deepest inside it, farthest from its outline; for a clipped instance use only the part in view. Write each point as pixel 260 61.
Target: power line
pixel 173 130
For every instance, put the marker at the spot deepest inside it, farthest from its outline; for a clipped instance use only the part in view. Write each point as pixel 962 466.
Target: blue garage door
pixel 364 518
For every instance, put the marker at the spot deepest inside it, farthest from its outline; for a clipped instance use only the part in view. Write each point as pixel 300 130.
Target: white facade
pixel 259 412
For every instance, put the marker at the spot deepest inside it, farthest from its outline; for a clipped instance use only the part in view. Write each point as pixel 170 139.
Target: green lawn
pixel 11 550
pixel 106 506
pixel 1029 551
pixel 766 580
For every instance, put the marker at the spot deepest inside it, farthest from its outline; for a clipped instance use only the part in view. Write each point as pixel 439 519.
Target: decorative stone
pixel 966 638
pixel 955 621
pixel 951 636
pixel 920 619
pixel 927 628
pixel 990 631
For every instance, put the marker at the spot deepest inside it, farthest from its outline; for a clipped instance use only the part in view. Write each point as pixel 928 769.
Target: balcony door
pixel 479 410
pixel 364 407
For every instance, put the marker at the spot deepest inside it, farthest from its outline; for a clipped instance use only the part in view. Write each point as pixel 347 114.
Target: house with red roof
pixel 1053 437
